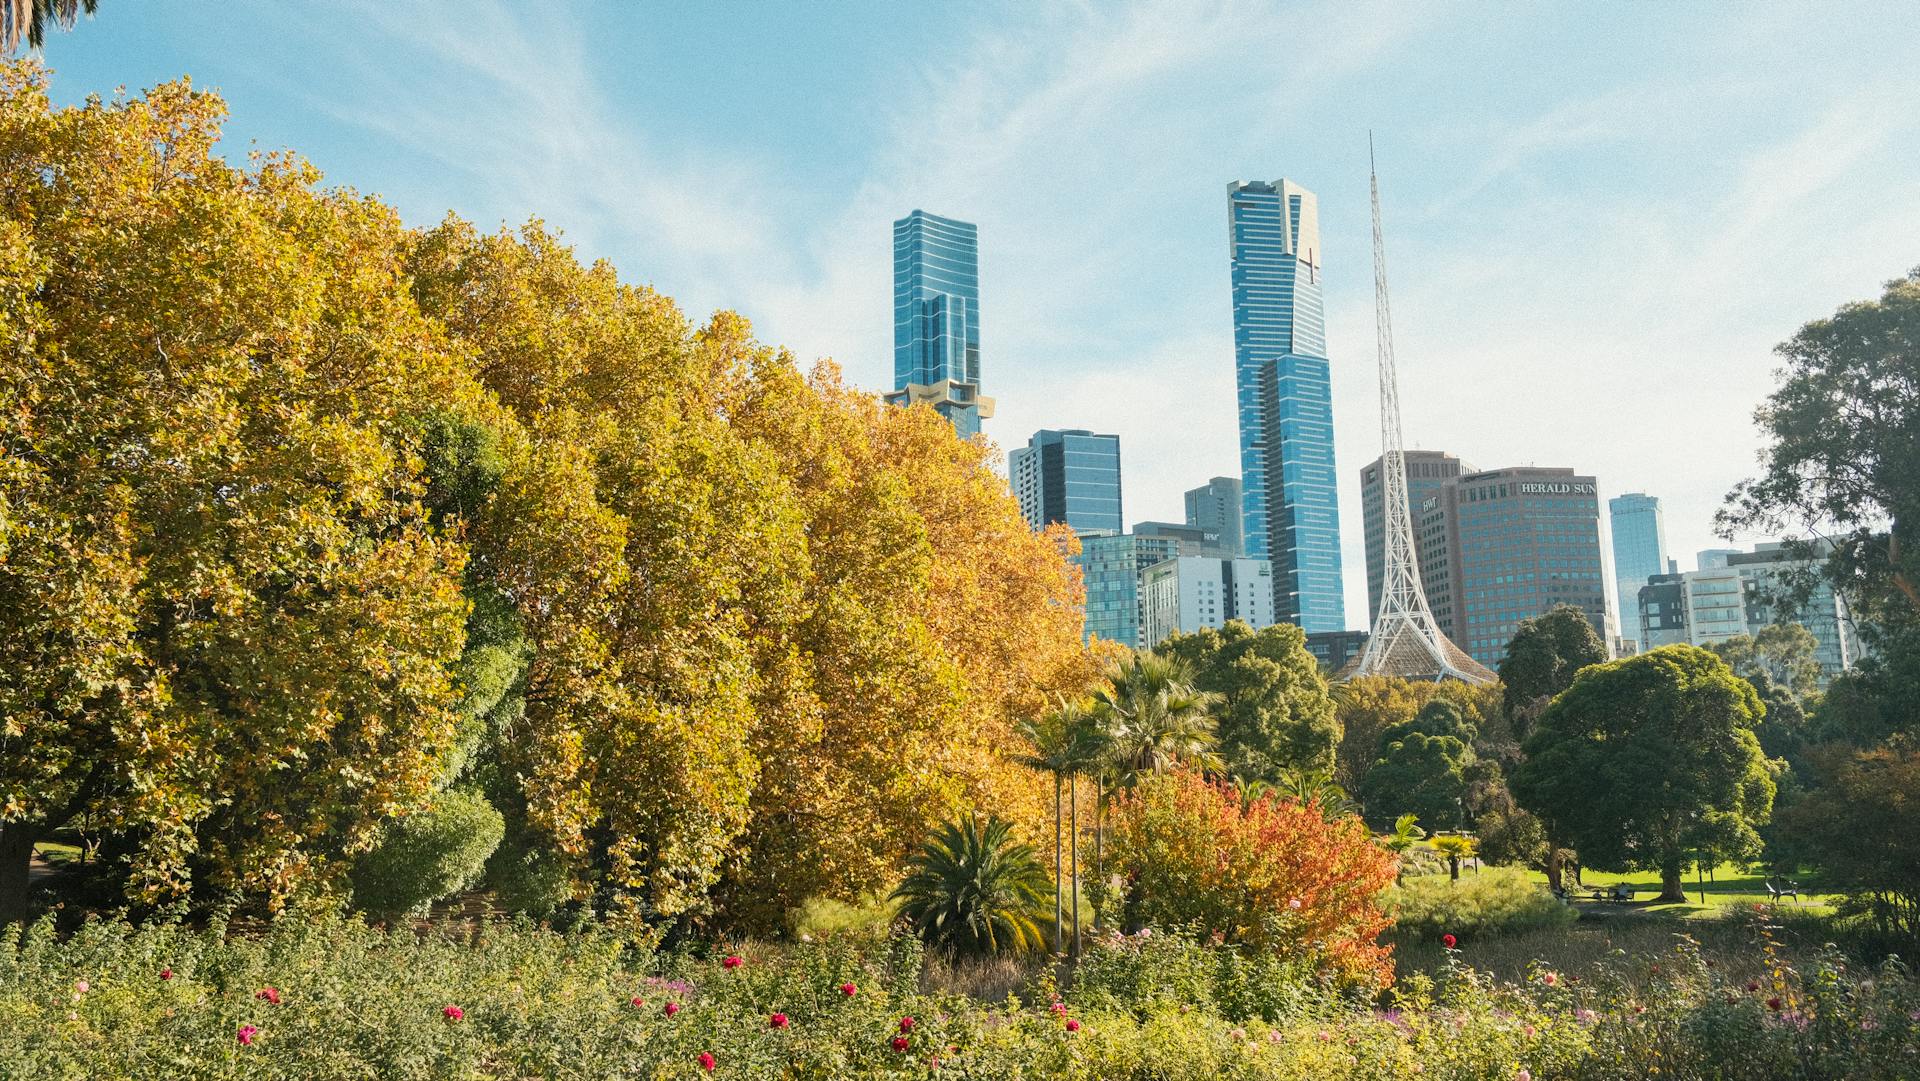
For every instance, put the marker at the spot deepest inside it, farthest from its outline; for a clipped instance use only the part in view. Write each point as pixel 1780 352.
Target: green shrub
pixel 429 855
pixel 1491 901
pixel 1149 971
pixel 869 918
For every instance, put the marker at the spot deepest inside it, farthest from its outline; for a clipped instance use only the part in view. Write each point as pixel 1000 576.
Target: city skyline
pixel 1575 230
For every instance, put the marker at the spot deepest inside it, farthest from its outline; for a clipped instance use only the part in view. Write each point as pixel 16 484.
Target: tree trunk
pixel 1073 800
pixel 1672 886
pixel 1059 909
pixel 1453 868
pixel 1553 866
pixel 16 861
pixel 1098 890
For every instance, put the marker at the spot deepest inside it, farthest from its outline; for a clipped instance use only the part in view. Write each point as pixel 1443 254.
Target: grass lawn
pixel 1729 884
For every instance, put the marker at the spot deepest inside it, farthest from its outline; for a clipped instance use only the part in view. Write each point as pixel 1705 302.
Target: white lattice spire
pixel 1405 641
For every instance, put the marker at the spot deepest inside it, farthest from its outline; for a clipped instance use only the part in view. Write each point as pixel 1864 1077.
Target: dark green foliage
pixel 1543 657
pixel 1648 761
pixel 1876 701
pixel 973 890
pixel 1781 653
pixel 1275 713
pixel 462 464
pixel 1437 718
pixel 428 855
pixel 1844 451
pixel 1511 837
pixel 1418 774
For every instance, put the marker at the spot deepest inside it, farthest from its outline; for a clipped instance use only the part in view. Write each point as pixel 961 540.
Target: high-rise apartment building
pixel 1710 559
pixel 1110 567
pixel 1639 552
pixel 1427 472
pixel 1216 506
pixel 1191 592
pixel 1504 545
pixel 936 319
pixel 1290 510
pixel 1068 476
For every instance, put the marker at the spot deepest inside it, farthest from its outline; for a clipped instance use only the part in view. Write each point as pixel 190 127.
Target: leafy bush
pixel 429 855
pixel 1146 971
pixel 1268 872
pixel 1494 900
pixel 867 918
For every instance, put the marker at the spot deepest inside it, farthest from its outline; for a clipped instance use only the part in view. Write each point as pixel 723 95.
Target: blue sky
pixel 1600 219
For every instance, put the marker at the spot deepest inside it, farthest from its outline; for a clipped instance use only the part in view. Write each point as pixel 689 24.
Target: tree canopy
pixel 1650 761
pixel 1542 658
pixel 1274 713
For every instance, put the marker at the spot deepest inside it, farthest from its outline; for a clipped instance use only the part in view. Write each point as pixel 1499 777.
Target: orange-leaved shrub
pixel 1270 872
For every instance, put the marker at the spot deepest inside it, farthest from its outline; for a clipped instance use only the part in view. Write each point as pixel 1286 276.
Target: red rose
pixel 849 990
pixel 1773 1004
pixel 707 1061
pixel 1448 941
pixel 906 1024
pixel 271 994
pixel 1072 1025
pixel 899 1043
pixel 246 1035
pixel 638 1002
pixel 778 1020
pixel 672 1008
pixel 732 961
pixel 453 1013
pixel 166 974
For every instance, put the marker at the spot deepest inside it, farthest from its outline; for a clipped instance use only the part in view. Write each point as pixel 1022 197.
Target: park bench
pixel 1784 889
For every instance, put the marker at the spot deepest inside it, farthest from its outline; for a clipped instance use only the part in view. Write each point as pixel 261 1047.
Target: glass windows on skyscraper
pixel 936 319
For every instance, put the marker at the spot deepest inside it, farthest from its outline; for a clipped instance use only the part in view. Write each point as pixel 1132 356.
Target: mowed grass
pixel 1729 885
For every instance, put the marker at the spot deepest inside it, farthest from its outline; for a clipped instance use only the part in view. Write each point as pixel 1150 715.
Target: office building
pixel 1334 650
pixel 1747 594
pixel 1427 472
pixel 1068 476
pixel 1216 506
pixel 1110 566
pixel 1639 552
pixel 1713 559
pixel 1504 545
pixel 936 319
pixel 1290 511
pixel 1195 540
pixel 1770 572
pixel 1188 593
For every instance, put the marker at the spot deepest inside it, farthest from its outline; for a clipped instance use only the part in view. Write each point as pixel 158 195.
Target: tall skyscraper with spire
pixel 1289 507
pixel 936 319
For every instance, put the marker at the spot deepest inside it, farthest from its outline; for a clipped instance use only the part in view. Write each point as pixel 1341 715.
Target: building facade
pixel 1216 506
pixel 1500 546
pixel 1334 650
pixel 1427 472
pixel 1663 611
pixel 1068 476
pixel 936 319
pixel 1639 552
pixel 1195 540
pixel 1747 594
pixel 1188 593
pixel 1110 566
pixel 1289 507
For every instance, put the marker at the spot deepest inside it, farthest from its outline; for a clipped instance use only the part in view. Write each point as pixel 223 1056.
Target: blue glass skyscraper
pixel 1639 552
pixel 936 319
pixel 1290 509
pixel 1068 476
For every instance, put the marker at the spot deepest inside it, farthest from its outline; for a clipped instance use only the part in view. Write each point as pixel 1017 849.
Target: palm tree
pixel 29 18
pixel 1151 719
pixel 1316 786
pixel 1406 833
pixel 1456 847
pixel 1060 742
pixel 973 890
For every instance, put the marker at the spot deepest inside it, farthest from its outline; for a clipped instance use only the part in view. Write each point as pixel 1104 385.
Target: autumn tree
pixel 1275 714
pixel 228 625
pixel 1649 762
pixel 1271 872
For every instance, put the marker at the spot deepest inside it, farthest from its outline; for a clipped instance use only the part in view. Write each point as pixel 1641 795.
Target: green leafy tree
pixel 1841 455
pixel 1542 658
pixel 1649 762
pixel 972 890
pixel 1455 847
pixel 1783 653
pixel 1421 775
pixel 1855 826
pixel 1406 833
pixel 1274 712
pixel 428 855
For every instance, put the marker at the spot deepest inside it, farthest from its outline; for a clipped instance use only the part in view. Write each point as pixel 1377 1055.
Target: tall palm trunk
pixel 1099 837
pixel 1058 913
pixel 1073 798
